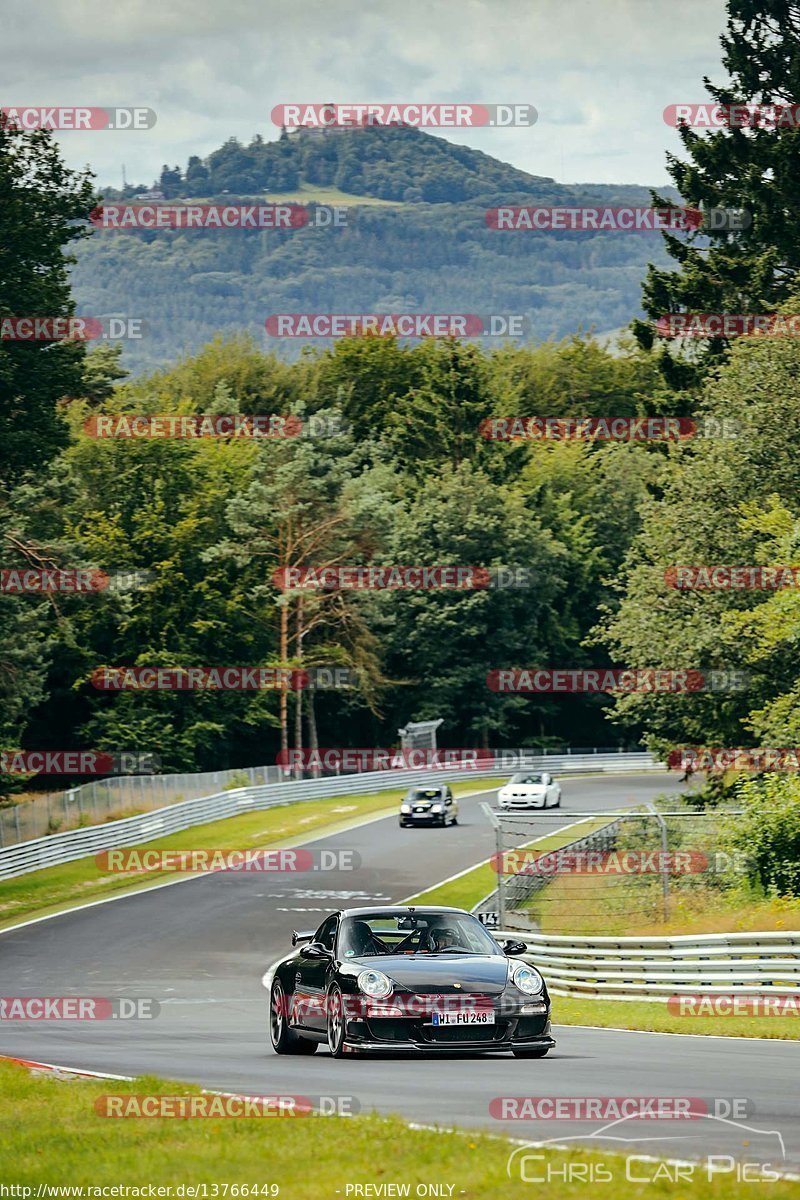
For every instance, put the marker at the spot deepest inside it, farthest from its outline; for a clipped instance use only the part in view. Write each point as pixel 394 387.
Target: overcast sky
pixel 600 72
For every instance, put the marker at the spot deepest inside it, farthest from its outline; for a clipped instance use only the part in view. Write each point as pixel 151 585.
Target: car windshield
pixel 425 794
pixel 421 933
pixel 522 777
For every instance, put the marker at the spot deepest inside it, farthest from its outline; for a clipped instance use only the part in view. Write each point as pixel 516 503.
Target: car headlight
pixel 405 808
pixel 527 979
pixel 375 984
pixel 438 808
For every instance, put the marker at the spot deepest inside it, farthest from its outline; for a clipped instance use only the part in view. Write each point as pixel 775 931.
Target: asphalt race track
pixel 200 948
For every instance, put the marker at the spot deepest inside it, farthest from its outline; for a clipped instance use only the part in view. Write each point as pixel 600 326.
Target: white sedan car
pixel 530 789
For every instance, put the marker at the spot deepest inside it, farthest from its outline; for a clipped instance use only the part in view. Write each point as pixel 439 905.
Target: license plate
pixel 462 1018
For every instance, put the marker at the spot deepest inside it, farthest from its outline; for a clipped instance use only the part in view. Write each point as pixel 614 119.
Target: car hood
pixel 440 973
pixel 533 789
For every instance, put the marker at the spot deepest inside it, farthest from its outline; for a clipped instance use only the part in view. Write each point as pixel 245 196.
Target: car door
pixel 312 973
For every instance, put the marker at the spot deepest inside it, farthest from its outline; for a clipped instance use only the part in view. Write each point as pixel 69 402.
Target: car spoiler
pixel 301 936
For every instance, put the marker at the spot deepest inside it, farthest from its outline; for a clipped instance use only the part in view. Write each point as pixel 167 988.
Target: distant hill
pixel 416 240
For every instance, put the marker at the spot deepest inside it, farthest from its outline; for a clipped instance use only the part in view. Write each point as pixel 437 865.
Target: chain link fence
pixel 609 872
pixel 113 798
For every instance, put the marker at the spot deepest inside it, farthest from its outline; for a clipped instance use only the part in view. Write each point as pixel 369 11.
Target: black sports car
pixel 414 978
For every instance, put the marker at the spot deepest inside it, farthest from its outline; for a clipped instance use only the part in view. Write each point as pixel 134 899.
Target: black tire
pixel 284 1040
pixel 530 1051
pixel 454 821
pixel 335 1022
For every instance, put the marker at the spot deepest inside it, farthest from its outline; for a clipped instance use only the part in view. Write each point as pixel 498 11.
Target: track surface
pixel 200 947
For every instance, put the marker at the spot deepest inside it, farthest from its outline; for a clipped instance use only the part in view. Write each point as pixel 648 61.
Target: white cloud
pixel 599 74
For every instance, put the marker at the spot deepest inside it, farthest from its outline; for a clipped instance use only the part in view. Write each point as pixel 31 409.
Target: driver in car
pixel 444 938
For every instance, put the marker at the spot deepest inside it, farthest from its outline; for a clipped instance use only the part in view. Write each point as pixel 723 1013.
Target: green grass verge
pixel 639 1014
pixel 54 889
pixel 57 1138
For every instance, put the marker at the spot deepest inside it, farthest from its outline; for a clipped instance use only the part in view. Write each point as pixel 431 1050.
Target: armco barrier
pixel 80 843
pixel 654 968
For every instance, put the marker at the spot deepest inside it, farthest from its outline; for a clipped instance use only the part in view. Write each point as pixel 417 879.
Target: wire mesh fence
pixel 113 798
pixel 611 872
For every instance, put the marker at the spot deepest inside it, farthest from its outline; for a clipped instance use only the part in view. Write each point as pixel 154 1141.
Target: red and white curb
pixel 40 1068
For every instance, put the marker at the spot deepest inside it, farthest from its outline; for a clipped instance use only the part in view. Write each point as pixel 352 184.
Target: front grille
pixel 389 1029
pixel 442 1034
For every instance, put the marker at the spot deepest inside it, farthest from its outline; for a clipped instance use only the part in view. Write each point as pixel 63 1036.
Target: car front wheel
pixel 285 1040
pixel 335 1022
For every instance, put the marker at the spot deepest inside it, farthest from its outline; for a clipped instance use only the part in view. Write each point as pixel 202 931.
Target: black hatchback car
pixel 413 978
pixel 431 805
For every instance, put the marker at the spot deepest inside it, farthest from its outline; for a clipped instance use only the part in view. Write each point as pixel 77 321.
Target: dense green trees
pixel 409 481
pixel 40 201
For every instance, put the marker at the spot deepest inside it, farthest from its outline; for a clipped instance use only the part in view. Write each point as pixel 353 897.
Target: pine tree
pixel 755 168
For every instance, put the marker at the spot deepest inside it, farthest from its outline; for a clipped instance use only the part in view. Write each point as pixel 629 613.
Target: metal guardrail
pixel 655 968
pixel 114 797
pixel 80 843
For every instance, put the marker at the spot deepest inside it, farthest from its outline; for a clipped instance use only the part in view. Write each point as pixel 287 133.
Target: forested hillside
pixel 428 251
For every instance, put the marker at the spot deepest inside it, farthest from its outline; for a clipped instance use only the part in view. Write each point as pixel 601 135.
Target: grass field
pixel 57 1138
pixel 307 194
pixel 654 1017
pixel 56 888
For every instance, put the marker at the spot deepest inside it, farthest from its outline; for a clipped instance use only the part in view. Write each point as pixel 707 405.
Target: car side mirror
pixel 511 948
pixel 314 950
